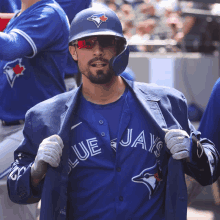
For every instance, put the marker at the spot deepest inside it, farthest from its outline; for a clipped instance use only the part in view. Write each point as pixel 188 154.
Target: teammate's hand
pixel 178 142
pixel 50 151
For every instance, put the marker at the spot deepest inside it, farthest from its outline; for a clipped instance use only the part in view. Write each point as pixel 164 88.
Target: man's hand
pixel 50 151
pixel 178 142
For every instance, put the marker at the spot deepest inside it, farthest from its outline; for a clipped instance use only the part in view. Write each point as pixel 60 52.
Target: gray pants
pixel 10 138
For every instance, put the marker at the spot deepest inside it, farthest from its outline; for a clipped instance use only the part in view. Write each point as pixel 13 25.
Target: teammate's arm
pixel 13 45
pixel 6 16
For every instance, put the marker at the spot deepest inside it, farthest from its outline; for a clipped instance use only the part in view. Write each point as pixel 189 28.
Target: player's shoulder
pixel 52 105
pixel 48 9
pixel 216 87
pixel 159 92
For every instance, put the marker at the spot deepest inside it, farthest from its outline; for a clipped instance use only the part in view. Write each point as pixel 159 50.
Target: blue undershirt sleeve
pixel 13 45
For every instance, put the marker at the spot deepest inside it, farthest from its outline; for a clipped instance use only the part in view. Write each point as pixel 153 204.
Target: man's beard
pixel 100 77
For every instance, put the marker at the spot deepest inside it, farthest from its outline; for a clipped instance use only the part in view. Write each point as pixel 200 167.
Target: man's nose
pixel 97 49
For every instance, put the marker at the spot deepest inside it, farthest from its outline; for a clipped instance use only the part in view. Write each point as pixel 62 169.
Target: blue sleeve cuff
pixel 197 153
pixel 20 189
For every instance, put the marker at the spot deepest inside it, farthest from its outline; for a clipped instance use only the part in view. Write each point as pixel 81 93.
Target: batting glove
pixel 49 152
pixel 178 142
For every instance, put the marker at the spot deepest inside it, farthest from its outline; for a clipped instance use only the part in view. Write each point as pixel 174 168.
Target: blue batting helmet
pixel 101 21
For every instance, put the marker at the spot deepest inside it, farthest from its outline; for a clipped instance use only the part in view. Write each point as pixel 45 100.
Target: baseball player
pixel 209 127
pixel 33 56
pixel 112 148
pixel 209 124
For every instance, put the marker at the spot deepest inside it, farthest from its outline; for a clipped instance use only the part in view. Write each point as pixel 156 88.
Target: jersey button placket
pixel 101 122
pixel 118 169
pixel 103 134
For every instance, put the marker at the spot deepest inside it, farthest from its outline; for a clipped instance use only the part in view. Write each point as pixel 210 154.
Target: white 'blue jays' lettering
pixel 92 144
pixel 140 140
pixel 82 152
pixel 85 151
pixel 128 142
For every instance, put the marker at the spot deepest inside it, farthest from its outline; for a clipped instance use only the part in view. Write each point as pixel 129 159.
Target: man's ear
pixel 72 50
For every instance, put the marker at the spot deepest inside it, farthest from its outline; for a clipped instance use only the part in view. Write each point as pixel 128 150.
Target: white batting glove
pixel 178 142
pixel 50 151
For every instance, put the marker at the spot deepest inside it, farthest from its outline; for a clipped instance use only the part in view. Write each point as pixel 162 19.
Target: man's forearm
pixel 6 15
pixel 19 47
pixel 36 177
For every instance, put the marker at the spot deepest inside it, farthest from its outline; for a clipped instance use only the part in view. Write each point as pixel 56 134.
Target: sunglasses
pixel 89 42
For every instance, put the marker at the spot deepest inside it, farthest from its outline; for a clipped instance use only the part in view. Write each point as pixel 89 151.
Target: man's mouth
pixel 98 64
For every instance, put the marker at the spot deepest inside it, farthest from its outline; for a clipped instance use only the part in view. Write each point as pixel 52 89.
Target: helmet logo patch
pixel 98 19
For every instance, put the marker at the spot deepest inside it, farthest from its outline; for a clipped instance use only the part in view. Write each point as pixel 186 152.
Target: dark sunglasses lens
pixel 106 41
pixel 89 43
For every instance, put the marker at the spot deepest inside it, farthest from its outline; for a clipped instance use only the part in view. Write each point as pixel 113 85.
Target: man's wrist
pixel 36 177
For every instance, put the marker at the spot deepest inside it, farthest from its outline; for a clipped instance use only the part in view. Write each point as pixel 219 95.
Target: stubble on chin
pixel 100 77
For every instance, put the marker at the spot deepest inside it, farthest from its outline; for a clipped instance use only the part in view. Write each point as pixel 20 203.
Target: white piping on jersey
pixel 75 125
pixel 30 41
pixel 68 21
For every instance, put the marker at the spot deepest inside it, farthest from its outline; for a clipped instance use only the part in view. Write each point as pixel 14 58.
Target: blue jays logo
pixel 150 177
pixel 114 144
pixel 98 19
pixel 13 70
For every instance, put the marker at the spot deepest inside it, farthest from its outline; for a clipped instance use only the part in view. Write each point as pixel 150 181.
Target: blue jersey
pixel 119 177
pixel 71 8
pixel 29 80
pixel 137 171
pixel 210 122
pixel 9 6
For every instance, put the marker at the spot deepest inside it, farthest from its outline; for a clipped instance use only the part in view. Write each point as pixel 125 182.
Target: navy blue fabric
pixel 30 78
pixel 210 122
pixel 128 74
pixel 163 108
pixel 111 113
pixel 95 181
pixel 72 7
pixel 10 6
pixel 16 43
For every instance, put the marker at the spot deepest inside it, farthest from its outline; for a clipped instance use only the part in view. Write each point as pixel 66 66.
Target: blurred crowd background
pixel 164 36
pixel 160 20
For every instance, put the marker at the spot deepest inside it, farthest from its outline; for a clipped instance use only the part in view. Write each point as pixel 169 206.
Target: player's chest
pixel 92 146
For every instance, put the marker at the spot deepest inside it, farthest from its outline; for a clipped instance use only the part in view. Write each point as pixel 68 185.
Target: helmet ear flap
pixel 119 63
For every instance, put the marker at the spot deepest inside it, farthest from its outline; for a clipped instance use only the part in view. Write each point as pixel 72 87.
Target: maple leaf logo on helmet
pixel 98 19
